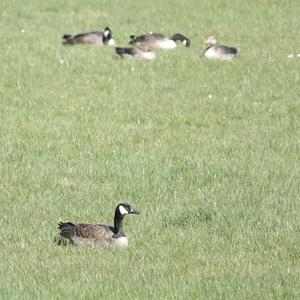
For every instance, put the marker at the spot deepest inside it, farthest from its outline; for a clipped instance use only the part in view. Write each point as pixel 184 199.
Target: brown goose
pixel 216 51
pixel 140 51
pixel 98 234
pixel 157 40
pixel 98 38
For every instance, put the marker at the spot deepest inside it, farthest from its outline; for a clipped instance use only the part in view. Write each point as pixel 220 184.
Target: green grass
pixel 208 151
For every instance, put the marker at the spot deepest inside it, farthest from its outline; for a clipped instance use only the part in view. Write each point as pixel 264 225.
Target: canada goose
pixel 216 51
pixel 157 40
pixel 141 51
pixel 98 38
pixel 98 234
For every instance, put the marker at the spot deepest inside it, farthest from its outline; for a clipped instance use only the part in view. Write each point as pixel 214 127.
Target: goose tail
pixel 233 50
pixel 67 39
pixel 66 229
pixel 66 36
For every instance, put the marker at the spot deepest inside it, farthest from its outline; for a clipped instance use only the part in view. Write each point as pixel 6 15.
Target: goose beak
pixel 133 211
pixel 186 43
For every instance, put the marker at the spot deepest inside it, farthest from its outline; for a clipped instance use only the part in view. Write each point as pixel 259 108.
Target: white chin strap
pixel 122 210
pixel 111 42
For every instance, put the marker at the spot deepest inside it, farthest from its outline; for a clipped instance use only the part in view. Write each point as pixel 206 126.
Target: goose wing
pixel 146 38
pixel 85 231
pixel 125 52
pixel 226 50
pixel 88 37
pixel 140 50
pixel 157 36
pixel 85 34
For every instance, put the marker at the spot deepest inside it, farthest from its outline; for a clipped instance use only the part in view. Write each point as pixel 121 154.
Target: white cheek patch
pixel 184 42
pixel 106 33
pixel 123 210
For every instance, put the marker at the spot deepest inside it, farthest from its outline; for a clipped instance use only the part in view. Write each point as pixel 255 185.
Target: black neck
pixel 178 37
pixel 106 39
pixel 118 223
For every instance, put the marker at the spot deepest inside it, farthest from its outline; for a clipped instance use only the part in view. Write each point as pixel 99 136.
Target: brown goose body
pixel 139 51
pixel 98 234
pixel 159 41
pixel 97 38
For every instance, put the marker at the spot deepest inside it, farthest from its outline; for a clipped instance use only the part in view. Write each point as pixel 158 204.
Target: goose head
pixel 186 42
pixel 183 39
pixel 107 37
pixel 210 41
pixel 125 209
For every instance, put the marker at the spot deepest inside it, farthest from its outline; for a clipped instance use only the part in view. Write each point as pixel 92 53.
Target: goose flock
pixel 141 47
pixel 144 46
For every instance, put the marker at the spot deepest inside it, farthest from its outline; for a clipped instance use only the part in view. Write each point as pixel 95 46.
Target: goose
pixel 157 40
pixel 98 234
pixel 98 38
pixel 216 51
pixel 141 51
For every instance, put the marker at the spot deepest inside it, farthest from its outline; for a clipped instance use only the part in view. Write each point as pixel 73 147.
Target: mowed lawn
pixel 209 152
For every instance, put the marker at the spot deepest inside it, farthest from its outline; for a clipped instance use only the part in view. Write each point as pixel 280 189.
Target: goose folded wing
pixel 89 37
pixel 227 50
pixel 147 38
pixel 95 231
pixel 86 34
pixel 155 35
pixel 88 231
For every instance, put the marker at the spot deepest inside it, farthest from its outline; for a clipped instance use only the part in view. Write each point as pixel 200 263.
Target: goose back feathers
pixel 98 234
pixel 139 51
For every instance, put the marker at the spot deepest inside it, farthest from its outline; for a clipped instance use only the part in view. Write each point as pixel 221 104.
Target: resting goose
pixel 98 38
pixel 157 40
pixel 216 51
pixel 140 51
pixel 98 234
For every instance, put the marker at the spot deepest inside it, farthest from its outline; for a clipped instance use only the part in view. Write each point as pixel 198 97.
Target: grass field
pixel 209 152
